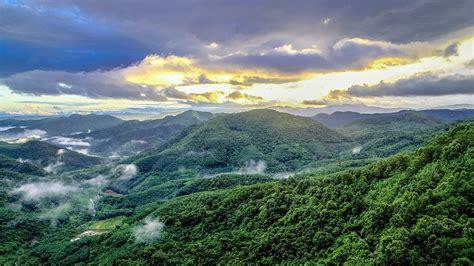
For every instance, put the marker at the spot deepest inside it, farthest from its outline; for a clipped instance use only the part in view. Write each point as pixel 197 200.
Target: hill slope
pixel 386 134
pixel 281 141
pixel 47 155
pixel 342 119
pixel 411 208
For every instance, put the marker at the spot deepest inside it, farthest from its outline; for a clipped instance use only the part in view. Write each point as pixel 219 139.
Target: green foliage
pixel 226 143
pixel 382 135
pixel 43 154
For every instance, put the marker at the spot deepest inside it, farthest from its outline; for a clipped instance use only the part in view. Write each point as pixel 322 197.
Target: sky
pixel 64 56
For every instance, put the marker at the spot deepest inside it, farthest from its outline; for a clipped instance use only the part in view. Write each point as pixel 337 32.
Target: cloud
pixel 344 54
pixel 151 230
pixel 420 85
pixel 99 50
pixel 212 45
pixel 315 102
pixel 56 213
pixel 60 38
pixel 53 167
pixel 169 28
pixel 42 190
pixel 237 95
pixel 65 141
pixel 99 180
pixel 211 97
pixel 6 128
pixel 253 167
pixel 451 49
pixel 23 136
pixel 125 171
pixel 97 84
pixel 356 150
pixel 282 175
pixel 288 49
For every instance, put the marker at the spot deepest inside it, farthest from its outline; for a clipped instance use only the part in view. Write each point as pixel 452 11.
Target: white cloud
pixel 42 190
pixel 212 45
pixel 282 175
pixel 53 167
pixel 151 230
pixel 26 135
pixel 253 167
pixel 126 171
pixel 97 181
pixel 61 152
pixel 288 49
pixel 356 150
pixel 71 142
pixel 5 128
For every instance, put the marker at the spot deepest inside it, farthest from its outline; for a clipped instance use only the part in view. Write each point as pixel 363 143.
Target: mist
pixel 125 171
pixel 53 167
pixel 42 190
pixel 20 137
pixel 253 167
pixel 65 141
pixel 356 150
pixel 151 230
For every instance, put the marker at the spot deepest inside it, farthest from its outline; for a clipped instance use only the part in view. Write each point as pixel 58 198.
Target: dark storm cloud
pixel 91 84
pixel 60 39
pixel 217 20
pixel 425 85
pixel 89 34
pixel 175 93
pixel 345 54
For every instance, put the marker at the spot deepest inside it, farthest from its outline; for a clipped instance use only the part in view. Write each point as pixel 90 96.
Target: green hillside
pixel 9 165
pixel 412 208
pixel 342 119
pixel 282 141
pixel 386 134
pixel 44 154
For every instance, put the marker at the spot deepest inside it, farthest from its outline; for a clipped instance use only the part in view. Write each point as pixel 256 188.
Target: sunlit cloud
pixel 285 72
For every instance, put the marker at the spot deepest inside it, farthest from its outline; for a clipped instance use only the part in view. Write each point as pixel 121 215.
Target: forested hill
pixel 45 154
pixel 133 136
pixel 343 119
pixel 283 141
pixel 412 208
pixel 66 124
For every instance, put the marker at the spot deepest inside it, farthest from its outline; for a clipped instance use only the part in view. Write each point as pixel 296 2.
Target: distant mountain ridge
pixel 381 135
pixel 132 136
pixel 341 119
pixel 311 111
pixel 65 124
